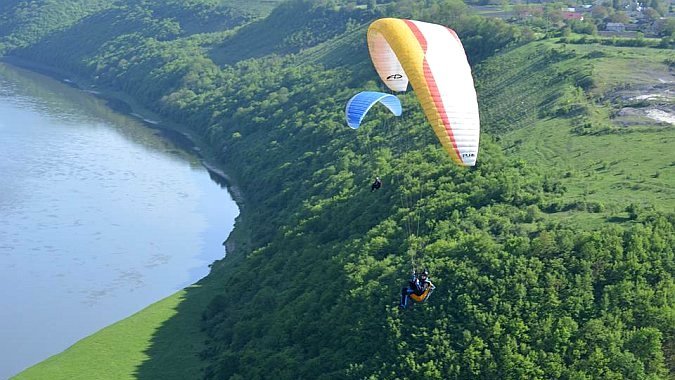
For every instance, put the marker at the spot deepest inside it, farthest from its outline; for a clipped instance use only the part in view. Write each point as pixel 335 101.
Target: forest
pixel 537 277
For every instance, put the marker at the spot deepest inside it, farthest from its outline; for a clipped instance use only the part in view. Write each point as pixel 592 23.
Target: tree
pixel 667 28
pixel 599 13
pixel 621 17
pixel 659 6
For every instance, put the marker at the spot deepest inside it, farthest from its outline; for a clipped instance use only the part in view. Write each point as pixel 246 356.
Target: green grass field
pixel 614 170
pixel 536 109
pixel 123 350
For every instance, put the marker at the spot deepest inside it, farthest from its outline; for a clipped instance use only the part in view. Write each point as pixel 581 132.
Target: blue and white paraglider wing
pixel 359 105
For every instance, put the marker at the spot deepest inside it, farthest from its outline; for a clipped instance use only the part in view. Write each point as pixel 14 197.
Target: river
pixel 99 217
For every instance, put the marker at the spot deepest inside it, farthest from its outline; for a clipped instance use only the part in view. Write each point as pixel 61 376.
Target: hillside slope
pixel 310 289
pixel 601 115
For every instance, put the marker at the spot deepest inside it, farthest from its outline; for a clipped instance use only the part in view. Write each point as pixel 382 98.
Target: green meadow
pixel 564 117
pixel 119 351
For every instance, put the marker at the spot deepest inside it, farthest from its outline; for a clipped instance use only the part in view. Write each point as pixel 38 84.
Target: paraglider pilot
pixel 419 288
pixel 376 185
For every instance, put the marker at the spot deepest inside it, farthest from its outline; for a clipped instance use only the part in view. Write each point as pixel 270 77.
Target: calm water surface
pixel 99 217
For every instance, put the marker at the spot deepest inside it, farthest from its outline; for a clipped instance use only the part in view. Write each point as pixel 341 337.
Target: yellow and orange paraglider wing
pixel 432 58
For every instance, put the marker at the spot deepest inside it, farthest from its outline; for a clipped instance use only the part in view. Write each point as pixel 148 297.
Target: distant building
pixel 615 27
pixel 584 9
pixel 572 16
pixel 632 28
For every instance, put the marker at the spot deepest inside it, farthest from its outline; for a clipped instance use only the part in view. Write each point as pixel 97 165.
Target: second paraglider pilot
pixel 376 185
pixel 419 288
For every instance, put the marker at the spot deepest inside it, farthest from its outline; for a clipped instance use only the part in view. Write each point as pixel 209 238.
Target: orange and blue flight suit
pixel 418 284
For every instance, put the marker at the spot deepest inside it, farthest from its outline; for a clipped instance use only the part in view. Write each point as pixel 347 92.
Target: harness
pixel 425 294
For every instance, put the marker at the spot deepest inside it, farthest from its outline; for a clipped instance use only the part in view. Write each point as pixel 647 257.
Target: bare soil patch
pixel 646 103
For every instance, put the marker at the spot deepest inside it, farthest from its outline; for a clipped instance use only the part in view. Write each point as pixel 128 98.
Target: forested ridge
pixel 310 288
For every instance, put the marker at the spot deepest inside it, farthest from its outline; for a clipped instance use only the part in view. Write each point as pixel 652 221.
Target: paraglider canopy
pixel 359 105
pixel 431 57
